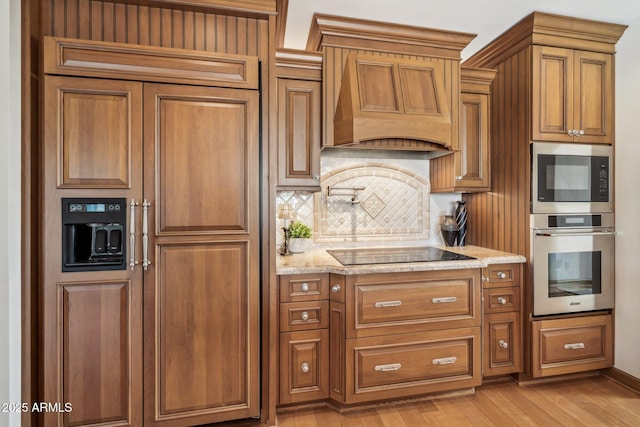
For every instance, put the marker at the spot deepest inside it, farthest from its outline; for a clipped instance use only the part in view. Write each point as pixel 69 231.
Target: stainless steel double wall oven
pixel 572 228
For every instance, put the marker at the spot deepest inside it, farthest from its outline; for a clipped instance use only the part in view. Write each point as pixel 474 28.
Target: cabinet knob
pixel 304 316
pixel 503 344
pixel 502 275
pixel 579 133
pixel 304 367
pixel 316 176
pixel 305 287
pixel 571 132
pixel 458 178
pixel 502 300
pixel 335 288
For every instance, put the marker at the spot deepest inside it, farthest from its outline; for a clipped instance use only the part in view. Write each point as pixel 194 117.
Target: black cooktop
pixel 394 255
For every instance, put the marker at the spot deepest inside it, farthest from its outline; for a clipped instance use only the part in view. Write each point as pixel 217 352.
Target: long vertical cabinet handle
pixel 132 234
pixel 145 234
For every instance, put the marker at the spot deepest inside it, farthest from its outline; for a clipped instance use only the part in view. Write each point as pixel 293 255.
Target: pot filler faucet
pixel 346 191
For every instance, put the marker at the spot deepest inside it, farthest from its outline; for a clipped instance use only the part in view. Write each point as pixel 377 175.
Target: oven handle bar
pixel 596 233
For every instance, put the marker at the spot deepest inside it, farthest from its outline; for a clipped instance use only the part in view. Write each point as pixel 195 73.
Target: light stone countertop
pixel 317 260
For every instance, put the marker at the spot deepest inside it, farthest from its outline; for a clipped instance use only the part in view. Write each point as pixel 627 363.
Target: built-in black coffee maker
pixel 93 234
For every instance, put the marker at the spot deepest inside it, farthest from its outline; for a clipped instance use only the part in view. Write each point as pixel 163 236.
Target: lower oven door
pixel 572 271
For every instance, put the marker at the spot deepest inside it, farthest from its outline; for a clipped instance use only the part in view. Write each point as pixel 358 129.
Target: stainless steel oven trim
pixel 571 149
pixel 545 241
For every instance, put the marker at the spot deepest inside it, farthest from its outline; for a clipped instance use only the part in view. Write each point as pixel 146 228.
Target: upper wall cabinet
pixel 384 98
pixel 298 76
pixel 564 68
pixel 468 169
pixel 572 95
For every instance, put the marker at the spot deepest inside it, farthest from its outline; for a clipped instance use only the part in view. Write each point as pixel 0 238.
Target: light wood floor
pixel 593 401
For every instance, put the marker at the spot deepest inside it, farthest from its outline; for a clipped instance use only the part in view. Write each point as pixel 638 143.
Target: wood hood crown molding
pixel 374 35
pixel 404 96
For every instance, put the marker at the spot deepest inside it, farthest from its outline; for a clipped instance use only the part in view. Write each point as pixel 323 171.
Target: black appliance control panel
pixel 570 221
pixel 93 234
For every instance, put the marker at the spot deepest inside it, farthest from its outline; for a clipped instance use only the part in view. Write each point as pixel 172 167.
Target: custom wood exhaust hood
pixel 388 86
pixel 383 98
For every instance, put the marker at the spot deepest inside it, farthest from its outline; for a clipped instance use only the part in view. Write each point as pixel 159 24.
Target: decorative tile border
pixel 395 205
pixel 392 204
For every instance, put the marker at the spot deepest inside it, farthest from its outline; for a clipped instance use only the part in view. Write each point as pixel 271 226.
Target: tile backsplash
pixel 393 203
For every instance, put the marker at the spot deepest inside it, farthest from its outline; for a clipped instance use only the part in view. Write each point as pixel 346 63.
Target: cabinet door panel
pixel 206 158
pixel 298 132
pixel 202 288
pixel 552 94
pixel 474 142
pixel 101 352
pixel 594 96
pixel 202 341
pixel 304 366
pixel 97 131
pixel 502 342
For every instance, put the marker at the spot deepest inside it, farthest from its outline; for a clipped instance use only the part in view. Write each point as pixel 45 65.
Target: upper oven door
pixel 572 270
pixel 571 178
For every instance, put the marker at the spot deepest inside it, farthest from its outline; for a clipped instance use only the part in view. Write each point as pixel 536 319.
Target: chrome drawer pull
pixel 335 288
pixel 305 287
pixel 445 361
pixel 443 299
pixel 503 344
pixel 383 304
pixel 574 346
pixel 304 367
pixel 502 275
pixel 389 367
pixel 502 300
pixel 304 316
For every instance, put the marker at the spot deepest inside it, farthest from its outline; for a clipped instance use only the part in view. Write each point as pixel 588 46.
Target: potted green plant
pixel 299 235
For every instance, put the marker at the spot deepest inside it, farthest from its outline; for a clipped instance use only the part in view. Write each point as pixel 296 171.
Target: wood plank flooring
pixel 592 401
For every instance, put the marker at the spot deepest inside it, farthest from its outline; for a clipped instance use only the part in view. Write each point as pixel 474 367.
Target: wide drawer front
pixel 302 316
pixel 499 300
pixel 411 364
pixel 414 303
pixel 572 345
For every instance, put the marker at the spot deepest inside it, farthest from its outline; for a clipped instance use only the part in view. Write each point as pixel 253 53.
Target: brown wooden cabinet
pixel 554 75
pixel 405 334
pixel 299 88
pixel 469 168
pixel 304 338
pixel 566 345
pixel 502 319
pixel 572 95
pixel 176 336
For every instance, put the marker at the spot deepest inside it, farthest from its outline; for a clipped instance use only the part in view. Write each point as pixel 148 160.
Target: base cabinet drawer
pixel 500 300
pixel 302 316
pixel 413 302
pixel 411 364
pixel 304 366
pixel 562 346
pixel 502 344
